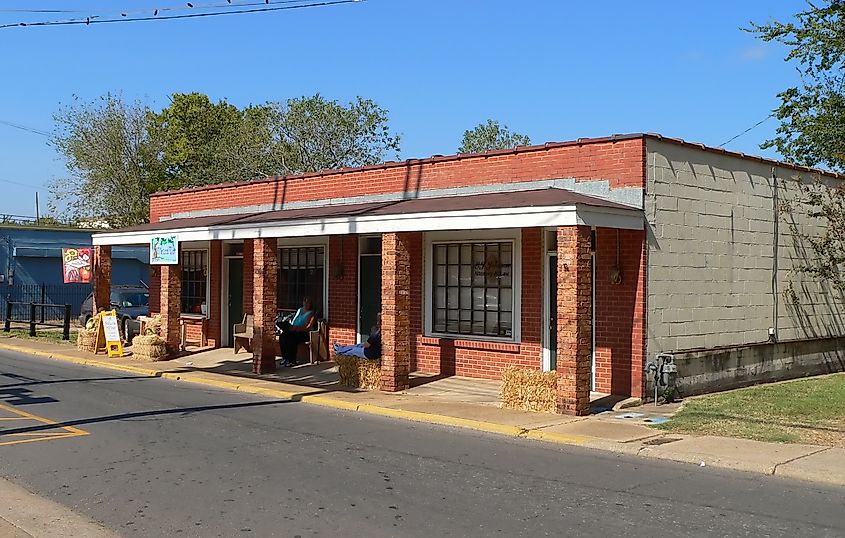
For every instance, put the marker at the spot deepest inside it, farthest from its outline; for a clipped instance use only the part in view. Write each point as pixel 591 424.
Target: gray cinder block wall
pixel 711 268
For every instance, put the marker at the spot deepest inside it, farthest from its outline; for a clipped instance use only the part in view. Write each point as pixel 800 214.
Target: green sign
pixel 164 250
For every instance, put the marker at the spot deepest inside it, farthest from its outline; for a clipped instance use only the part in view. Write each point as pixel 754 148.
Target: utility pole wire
pixel 24 128
pixel 728 141
pixel 95 20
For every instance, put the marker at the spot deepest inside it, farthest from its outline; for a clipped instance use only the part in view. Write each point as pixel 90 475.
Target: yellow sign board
pixel 108 335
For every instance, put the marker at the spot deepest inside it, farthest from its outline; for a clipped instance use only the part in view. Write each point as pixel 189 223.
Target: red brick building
pixel 534 257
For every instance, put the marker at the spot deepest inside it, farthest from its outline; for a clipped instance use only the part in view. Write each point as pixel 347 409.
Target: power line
pixel 34 187
pixel 728 141
pixel 24 128
pixel 155 17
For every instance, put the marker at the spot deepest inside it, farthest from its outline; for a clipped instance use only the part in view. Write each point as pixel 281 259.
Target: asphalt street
pixel 152 457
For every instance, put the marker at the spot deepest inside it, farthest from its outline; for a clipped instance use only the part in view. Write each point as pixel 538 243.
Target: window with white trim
pixel 194 281
pixel 472 288
pixel 301 274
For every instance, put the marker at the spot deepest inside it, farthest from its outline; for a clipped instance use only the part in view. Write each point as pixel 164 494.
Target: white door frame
pixel 361 337
pixel 547 352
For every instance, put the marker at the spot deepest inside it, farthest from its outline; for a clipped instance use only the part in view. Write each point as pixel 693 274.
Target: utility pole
pixel 37 209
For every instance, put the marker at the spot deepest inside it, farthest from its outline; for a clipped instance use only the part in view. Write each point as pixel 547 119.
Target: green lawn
pixel 51 335
pixel 803 411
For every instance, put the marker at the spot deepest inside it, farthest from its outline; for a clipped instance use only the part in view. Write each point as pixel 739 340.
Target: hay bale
pixel 86 340
pixel 149 348
pixel 153 325
pixel 358 373
pixel 529 390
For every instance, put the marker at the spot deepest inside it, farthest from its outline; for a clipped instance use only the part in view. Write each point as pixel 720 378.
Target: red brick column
pixel 102 278
pixel 395 311
pixel 574 322
pixel 171 305
pixel 265 287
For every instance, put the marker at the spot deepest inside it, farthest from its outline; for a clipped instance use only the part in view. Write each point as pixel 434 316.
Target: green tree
pixel 195 131
pixel 119 153
pixel 491 135
pixel 113 158
pixel 312 134
pixel 812 128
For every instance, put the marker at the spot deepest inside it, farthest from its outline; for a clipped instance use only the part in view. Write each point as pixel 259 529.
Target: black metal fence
pixel 33 318
pixel 52 294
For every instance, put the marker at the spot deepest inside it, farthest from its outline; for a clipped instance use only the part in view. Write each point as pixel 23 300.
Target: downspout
pixel 773 331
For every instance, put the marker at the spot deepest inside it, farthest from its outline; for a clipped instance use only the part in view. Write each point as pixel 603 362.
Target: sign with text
pixel 76 265
pixel 164 250
pixel 108 335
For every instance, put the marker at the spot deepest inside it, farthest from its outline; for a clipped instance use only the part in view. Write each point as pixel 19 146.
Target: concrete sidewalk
pixel 473 404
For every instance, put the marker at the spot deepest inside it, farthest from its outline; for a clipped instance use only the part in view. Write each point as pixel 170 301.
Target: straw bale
pixel 529 390
pixel 149 348
pixel 153 326
pixel 86 340
pixel 358 373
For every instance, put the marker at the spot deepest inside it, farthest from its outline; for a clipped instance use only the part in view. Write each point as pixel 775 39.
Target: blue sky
pixel 554 70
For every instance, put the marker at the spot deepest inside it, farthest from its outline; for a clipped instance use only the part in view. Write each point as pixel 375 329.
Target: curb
pixel 416 416
pixel 323 401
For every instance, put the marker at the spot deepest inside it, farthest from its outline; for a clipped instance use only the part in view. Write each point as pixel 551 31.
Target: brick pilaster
pixel 395 311
pixel 264 282
pixel 102 278
pixel 171 305
pixel 574 322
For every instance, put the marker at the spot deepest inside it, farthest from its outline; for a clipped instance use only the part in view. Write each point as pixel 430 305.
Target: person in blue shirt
pixel 371 349
pixel 293 330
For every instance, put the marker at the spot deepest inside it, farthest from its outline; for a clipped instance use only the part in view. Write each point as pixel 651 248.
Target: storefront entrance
pixel 369 285
pixel 235 296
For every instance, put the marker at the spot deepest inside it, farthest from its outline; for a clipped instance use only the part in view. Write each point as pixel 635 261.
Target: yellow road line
pixel 66 431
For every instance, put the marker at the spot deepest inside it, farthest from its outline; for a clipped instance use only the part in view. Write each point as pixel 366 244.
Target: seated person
pixel 371 349
pixel 293 330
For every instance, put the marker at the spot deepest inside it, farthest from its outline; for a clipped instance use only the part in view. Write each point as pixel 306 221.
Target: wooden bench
pixel 315 350
pixel 242 333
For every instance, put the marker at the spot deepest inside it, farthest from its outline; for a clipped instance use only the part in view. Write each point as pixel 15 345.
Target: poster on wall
pixel 76 265
pixel 164 250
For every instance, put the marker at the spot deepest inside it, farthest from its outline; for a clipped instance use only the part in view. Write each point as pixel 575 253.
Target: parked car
pixel 129 302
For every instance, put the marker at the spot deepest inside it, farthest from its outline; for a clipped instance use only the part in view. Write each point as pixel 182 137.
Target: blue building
pixel 31 264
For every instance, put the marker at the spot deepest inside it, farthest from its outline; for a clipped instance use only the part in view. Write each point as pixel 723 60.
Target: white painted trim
pixel 207 249
pixel 360 336
pixel 593 314
pixel 476 219
pixel 512 235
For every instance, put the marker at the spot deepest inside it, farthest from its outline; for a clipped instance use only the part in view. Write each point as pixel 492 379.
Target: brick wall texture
pixel 264 280
pixel 395 311
pixel 574 325
pixel 619 351
pixel 619 162
pixel 171 305
pixel 711 257
pixel 102 278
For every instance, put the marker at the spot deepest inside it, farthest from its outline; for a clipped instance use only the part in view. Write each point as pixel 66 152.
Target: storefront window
pixel 301 274
pixel 194 281
pixel 473 288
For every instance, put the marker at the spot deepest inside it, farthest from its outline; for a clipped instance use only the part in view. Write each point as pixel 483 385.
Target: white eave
pixel 475 219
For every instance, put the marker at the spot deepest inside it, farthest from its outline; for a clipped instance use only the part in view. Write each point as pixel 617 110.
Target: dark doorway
pixel 369 285
pixel 552 321
pixel 236 295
